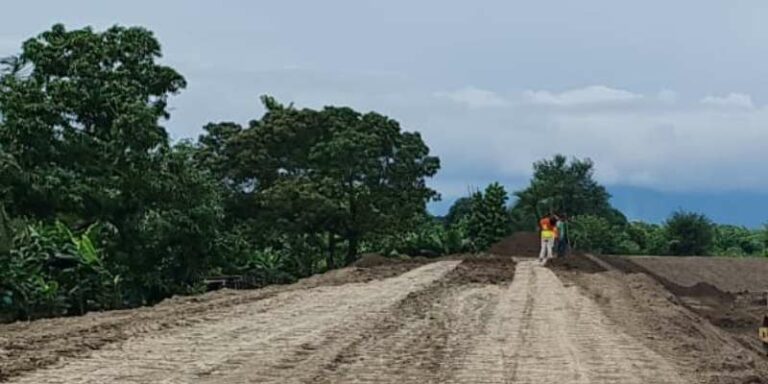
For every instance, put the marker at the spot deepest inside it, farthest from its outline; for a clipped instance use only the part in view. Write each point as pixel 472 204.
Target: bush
pixel 689 234
pixel 730 240
pixel 51 271
pixel 489 221
pixel 592 234
pixel 650 238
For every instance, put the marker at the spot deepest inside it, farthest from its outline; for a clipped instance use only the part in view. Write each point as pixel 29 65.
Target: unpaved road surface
pixel 542 332
pixel 471 321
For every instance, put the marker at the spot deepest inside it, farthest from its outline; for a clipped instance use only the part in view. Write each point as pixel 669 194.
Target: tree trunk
pixel 330 260
pixel 352 250
pixel 6 239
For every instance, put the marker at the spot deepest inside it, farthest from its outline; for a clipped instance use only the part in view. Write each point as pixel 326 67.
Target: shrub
pixel 689 234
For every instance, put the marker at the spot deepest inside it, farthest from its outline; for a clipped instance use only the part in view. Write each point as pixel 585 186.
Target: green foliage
pixel 334 172
pixel 689 234
pixel 650 238
pixel 267 266
pixel 51 271
pixel 764 236
pixel 430 238
pixel 489 220
pixel 81 143
pixel 460 210
pixel 730 240
pixel 592 233
pixel 80 116
pixel 168 244
pixel 565 187
pixel 6 241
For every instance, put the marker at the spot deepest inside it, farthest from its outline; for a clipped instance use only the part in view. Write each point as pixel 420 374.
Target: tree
pixel 80 115
pixel 489 220
pixel 764 235
pixel 592 233
pixel 460 210
pixel 563 186
pixel 689 234
pixel 650 238
pixel 6 240
pixel 169 244
pixel 731 240
pixel 335 173
pixel 81 120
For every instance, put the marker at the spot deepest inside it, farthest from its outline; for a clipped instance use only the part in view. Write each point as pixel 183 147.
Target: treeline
pixel 99 210
pixel 567 187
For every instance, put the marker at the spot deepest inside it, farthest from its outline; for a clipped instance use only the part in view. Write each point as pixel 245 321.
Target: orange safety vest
pixel 547 231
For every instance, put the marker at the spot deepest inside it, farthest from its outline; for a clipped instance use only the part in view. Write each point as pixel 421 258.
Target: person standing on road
pixel 547 231
pixel 561 241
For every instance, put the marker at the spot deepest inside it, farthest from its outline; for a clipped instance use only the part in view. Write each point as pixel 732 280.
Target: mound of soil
pixel 484 270
pixel 732 274
pixel 680 328
pixel 575 262
pixel 700 289
pixel 523 244
pixel 738 313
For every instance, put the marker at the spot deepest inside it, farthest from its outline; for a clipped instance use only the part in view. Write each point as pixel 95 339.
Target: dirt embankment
pixel 706 331
pixel 730 274
pixel 455 320
pixel 519 244
pixel 33 345
pixel 737 312
pixel 407 328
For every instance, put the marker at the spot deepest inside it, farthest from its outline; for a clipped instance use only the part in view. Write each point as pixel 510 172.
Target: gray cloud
pixel 473 97
pixel 596 94
pixel 738 100
pixel 493 86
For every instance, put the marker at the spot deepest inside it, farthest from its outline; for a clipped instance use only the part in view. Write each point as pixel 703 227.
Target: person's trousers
pixel 546 248
pixel 561 247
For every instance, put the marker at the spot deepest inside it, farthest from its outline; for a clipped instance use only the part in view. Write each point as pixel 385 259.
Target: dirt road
pixel 543 332
pixel 475 321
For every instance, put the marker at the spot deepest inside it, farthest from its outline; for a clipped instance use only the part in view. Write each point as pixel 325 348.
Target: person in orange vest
pixel 547 229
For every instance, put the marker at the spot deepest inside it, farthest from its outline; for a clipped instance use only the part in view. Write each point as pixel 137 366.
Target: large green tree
pixel 562 186
pixel 81 120
pixel 80 115
pixel 335 172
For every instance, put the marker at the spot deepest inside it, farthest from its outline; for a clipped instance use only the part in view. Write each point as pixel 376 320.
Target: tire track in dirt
pixel 421 340
pixel 27 346
pixel 265 342
pixel 543 332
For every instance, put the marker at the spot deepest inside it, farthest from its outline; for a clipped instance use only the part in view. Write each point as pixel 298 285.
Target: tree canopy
pixel 566 187
pixel 335 170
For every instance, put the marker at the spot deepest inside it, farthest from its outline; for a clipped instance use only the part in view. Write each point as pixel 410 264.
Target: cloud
pixel 737 100
pixel 656 140
pixel 667 97
pixel 473 97
pixel 664 142
pixel 596 94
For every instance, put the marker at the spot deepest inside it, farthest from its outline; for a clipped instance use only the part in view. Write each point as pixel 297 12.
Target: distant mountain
pixel 738 208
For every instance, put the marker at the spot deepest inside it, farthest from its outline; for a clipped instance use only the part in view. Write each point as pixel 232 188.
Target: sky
pixel 669 99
